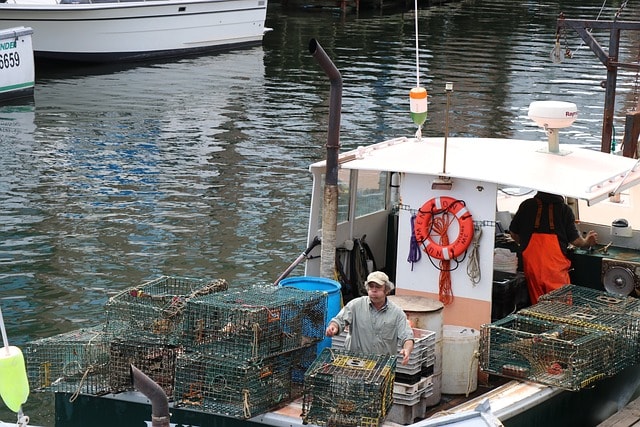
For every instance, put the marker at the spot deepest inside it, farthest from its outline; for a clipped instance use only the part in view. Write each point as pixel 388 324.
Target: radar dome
pixel 553 114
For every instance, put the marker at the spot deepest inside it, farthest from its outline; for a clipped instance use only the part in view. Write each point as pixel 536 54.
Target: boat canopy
pixel 574 171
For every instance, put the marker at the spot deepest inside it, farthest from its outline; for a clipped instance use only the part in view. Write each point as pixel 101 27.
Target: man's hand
pixel 407 348
pixel 332 329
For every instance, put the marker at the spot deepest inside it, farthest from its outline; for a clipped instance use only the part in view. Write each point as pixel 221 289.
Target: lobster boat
pixel 432 212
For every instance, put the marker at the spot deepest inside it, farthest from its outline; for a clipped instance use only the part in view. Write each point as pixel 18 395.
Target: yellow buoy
pixel 418 105
pixel 14 385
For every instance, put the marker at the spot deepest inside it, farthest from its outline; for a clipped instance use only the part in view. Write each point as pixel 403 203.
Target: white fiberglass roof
pixel 574 172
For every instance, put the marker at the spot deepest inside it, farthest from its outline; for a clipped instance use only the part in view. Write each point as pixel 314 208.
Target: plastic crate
pixel 344 388
pixel 556 354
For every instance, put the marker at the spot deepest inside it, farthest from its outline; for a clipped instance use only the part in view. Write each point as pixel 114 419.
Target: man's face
pixel 375 291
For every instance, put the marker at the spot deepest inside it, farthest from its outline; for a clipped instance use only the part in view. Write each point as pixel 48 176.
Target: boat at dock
pixel 374 194
pixel 99 31
pixel 17 71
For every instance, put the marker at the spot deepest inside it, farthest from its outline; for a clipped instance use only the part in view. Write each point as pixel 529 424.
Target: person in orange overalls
pixel 544 225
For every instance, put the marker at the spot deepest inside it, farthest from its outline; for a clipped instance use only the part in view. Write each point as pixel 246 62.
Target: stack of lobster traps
pixel 235 352
pixel 571 338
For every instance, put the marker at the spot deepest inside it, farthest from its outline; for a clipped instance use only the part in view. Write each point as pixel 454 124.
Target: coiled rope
pixel 473 265
pixel 415 254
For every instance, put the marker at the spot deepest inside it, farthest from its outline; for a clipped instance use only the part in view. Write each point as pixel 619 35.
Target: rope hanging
pixel 414 249
pixel 441 227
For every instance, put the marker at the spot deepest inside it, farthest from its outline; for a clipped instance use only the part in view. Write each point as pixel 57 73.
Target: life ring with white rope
pixel 424 228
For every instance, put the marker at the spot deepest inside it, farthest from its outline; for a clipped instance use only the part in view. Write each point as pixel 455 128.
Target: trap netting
pixel 154 310
pixel 621 333
pixel 76 361
pixel 237 388
pixel 342 388
pixel 582 296
pixel 557 354
pixel 254 323
pixel 157 361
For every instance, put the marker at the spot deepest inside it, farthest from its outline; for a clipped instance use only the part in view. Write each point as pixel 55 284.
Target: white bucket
pixel 459 359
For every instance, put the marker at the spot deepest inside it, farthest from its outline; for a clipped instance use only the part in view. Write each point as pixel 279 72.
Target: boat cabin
pixel 385 188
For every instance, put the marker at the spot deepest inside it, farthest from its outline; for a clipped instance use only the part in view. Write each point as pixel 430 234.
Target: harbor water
pixel 197 167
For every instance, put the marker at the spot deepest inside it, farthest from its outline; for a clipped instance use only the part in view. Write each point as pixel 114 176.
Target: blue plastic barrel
pixel 334 297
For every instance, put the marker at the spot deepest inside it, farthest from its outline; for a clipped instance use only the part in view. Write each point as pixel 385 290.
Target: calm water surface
pixel 197 167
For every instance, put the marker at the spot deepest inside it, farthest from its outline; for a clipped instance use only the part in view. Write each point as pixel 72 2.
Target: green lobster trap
pixel 622 333
pixel 237 388
pixel 154 310
pixel 557 354
pixel 342 388
pixel 76 361
pixel 157 361
pixel 254 323
pixel 581 296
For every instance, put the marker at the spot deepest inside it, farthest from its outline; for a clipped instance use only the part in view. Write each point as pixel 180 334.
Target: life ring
pixel 424 225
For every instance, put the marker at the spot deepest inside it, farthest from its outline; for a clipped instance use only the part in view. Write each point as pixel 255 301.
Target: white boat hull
pixel 17 73
pixel 136 30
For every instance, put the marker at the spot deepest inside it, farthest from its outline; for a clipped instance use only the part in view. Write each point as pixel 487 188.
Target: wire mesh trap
pixel 582 296
pixel 238 388
pixel 157 361
pixel 622 333
pixel 348 389
pixel 561 355
pixel 154 310
pixel 256 322
pixel 76 361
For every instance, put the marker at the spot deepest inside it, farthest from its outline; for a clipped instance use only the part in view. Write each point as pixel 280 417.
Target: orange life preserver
pixel 424 225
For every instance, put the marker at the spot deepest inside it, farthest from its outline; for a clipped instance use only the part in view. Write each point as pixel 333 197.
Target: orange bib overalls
pixel 545 266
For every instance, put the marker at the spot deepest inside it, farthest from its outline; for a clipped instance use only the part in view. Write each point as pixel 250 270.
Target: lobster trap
pixel 157 361
pixel 581 296
pixel 557 354
pixel 256 322
pixel 348 389
pixel 237 388
pixel 76 361
pixel 622 333
pixel 153 310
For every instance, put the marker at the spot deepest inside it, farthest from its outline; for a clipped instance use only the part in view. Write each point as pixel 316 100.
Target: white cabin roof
pixel 575 172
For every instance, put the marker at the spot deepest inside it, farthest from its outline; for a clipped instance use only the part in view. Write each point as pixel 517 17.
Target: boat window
pixel 343 195
pixel 371 195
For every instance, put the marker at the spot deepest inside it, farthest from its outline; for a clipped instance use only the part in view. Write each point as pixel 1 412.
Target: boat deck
pixel 627 417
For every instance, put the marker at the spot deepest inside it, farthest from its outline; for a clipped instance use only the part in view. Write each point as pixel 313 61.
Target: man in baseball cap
pixel 376 324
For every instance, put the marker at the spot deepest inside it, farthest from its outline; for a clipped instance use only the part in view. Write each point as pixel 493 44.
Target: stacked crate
pixel 76 361
pixel 244 348
pixel 146 323
pixel 342 388
pixel 414 381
